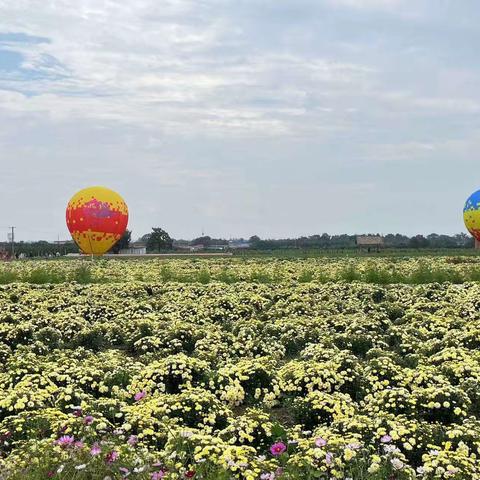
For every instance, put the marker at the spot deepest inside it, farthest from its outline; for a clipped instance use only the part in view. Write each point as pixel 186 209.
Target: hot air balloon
pixel 471 215
pixel 97 217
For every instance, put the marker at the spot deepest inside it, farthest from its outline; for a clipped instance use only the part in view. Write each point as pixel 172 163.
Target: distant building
pixel 189 248
pixel 134 249
pixel 237 244
pixel 197 248
pixel 217 247
pixel 370 242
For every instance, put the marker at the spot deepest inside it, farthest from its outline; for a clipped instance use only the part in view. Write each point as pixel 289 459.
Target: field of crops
pixel 240 369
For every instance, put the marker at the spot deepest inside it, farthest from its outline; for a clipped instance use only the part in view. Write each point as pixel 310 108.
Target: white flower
pixel 80 467
pixel 397 463
pixel 267 476
pixel 390 449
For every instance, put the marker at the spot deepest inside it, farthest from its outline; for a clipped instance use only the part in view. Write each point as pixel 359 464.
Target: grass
pixel 83 274
pixel 379 273
pixel 355 253
pixel 41 276
pixel 7 276
pixel 306 276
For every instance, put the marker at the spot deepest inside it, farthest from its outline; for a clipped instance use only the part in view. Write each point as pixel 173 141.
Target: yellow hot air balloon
pixel 471 215
pixel 97 217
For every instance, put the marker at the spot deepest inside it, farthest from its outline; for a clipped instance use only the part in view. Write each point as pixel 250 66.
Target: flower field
pixel 240 369
pixel 380 270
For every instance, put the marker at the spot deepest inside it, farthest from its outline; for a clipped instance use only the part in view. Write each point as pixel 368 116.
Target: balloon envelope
pixel 471 214
pixel 97 217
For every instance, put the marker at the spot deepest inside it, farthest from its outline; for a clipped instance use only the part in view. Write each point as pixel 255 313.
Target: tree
pixel 145 238
pixel 159 240
pixel 418 241
pixel 206 241
pixel 123 243
pixel 254 241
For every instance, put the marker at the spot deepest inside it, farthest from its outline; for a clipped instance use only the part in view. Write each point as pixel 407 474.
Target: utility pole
pixel 12 240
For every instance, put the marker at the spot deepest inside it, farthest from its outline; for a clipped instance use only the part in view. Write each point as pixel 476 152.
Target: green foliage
pixel 83 274
pixel 349 274
pixel 203 276
pixel 159 240
pixel 226 276
pixel 7 276
pixel 123 243
pixel 166 273
pixel 44 275
pixel 306 276
pixel 258 276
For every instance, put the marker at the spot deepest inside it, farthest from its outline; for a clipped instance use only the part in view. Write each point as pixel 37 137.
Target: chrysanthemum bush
pixel 239 381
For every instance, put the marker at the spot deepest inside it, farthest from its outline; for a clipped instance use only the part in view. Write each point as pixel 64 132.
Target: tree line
pixel 326 241
pixel 158 240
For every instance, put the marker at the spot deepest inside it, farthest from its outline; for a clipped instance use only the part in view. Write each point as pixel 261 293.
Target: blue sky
pixel 241 117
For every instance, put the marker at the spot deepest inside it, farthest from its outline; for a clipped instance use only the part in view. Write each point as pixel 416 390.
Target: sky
pixel 278 118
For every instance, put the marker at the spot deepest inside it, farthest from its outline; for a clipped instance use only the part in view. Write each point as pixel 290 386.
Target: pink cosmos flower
pixel 111 456
pixel 320 442
pixel 95 450
pixel 329 458
pixel 65 441
pixel 354 446
pixel 139 395
pixel 158 475
pixel 79 444
pixel 277 448
pixel 88 420
pixel 386 439
pixel 132 440
pixel 124 471
pixel 190 474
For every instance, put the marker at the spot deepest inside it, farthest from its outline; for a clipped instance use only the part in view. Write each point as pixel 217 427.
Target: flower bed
pixel 288 380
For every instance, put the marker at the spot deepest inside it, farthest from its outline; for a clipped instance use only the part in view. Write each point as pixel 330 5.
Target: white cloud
pixel 185 98
pixel 367 4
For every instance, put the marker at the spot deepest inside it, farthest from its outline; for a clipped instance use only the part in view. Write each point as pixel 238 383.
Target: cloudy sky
pixel 241 117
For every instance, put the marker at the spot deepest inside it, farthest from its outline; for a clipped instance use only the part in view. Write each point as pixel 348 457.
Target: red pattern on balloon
pixel 96 216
